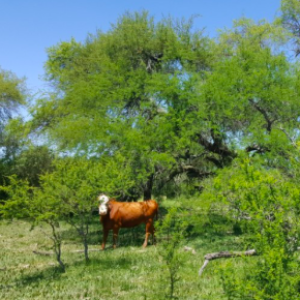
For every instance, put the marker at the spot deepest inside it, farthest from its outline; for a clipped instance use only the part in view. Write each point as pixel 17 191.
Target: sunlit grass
pixel 129 272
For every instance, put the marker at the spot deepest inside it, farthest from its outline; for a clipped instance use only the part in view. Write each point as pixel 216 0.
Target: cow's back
pixel 130 214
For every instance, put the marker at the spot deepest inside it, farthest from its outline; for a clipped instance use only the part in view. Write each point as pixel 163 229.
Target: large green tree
pixel 127 92
pixel 174 104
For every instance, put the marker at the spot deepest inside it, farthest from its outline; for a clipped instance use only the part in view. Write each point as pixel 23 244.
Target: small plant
pixel 35 205
pixel 172 233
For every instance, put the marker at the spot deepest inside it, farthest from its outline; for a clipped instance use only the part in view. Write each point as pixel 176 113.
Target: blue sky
pixel 28 27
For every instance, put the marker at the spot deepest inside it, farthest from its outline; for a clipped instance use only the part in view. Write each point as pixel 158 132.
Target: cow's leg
pixel 149 230
pixel 115 236
pixel 105 235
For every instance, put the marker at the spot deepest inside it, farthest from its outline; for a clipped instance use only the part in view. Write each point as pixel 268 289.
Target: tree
pixel 12 95
pixel 174 104
pixel 73 185
pixel 252 93
pixel 32 162
pixel 127 91
pixel 67 194
pixel 289 19
pixel 34 205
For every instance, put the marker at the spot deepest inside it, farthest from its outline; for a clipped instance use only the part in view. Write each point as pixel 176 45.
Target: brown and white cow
pixel 115 215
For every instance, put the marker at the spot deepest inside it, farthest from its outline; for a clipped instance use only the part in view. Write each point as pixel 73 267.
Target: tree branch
pixel 257 148
pixel 264 113
pixel 216 146
pixel 194 172
pixel 224 254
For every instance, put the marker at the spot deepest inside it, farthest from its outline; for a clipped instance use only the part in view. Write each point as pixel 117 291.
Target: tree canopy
pixel 171 102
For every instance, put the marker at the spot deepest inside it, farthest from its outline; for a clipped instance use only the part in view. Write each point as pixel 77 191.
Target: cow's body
pixel 115 215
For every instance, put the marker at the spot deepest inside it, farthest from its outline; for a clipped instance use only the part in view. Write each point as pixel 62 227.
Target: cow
pixel 115 215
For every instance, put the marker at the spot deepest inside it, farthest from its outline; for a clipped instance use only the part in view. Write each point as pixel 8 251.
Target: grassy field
pixel 129 272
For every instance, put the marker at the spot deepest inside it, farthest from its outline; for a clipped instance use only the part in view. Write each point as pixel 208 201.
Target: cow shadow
pixel 128 237
pixel 104 262
pixel 134 236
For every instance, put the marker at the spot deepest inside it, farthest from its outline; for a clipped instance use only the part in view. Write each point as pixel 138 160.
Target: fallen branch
pixel 224 254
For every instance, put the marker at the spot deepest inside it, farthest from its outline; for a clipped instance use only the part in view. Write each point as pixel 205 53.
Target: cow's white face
pixel 103 200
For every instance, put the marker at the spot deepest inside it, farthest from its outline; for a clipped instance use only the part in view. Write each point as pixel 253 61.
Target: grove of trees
pixel 157 108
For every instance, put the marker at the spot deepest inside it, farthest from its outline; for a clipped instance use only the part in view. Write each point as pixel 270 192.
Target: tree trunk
pixel 58 257
pixel 148 188
pixel 57 246
pixel 83 231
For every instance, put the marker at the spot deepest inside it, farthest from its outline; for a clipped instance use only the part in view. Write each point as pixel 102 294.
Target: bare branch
pixel 264 113
pixel 224 254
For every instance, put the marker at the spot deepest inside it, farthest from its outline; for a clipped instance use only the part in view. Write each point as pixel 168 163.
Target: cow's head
pixel 103 200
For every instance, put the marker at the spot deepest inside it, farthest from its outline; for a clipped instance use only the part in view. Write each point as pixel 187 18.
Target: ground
pixel 129 272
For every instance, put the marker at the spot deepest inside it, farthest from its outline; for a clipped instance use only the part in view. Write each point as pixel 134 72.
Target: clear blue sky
pixel 28 27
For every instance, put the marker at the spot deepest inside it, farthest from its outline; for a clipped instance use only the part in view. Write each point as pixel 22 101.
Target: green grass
pixel 129 272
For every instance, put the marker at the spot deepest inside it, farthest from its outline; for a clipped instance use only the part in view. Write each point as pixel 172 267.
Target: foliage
pixel 12 97
pixel 74 184
pixel 32 162
pixel 269 200
pixel 66 193
pixel 290 14
pixel 174 105
pixel 159 108
pixel 26 202
pixel 127 93
pixel 11 94
pixel 172 232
